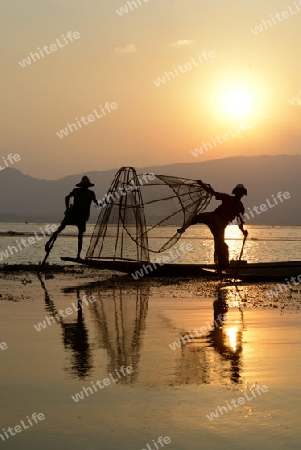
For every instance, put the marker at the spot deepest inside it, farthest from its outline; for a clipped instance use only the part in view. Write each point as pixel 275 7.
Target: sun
pixel 237 102
pixel 234 99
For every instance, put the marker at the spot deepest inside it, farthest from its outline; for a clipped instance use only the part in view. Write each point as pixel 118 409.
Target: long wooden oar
pixel 240 256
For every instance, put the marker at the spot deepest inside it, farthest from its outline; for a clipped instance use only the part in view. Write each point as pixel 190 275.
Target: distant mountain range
pixel 24 198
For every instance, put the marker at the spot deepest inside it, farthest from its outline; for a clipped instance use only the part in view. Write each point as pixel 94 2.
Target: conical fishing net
pixel 144 214
pixel 120 232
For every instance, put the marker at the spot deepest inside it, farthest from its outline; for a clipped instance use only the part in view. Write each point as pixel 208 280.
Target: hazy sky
pixel 248 79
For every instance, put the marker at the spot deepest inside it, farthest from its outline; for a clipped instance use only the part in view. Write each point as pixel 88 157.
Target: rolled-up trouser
pixel 217 228
pixel 75 217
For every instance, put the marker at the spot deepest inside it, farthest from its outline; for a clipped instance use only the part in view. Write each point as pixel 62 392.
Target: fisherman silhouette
pixel 76 214
pixel 217 220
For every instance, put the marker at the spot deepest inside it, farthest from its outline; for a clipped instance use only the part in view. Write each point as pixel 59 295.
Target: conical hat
pixel 241 188
pixel 85 182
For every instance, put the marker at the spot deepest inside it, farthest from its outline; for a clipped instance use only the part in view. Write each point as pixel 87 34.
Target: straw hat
pixel 85 182
pixel 240 188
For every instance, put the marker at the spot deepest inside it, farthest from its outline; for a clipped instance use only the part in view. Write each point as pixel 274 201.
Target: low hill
pixel 25 198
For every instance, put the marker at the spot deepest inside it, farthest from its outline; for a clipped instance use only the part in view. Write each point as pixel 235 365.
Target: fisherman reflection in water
pixel 226 338
pixel 217 220
pixel 76 214
pixel 75 335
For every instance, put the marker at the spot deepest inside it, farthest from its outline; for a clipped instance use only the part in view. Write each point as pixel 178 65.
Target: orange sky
pixel 116 58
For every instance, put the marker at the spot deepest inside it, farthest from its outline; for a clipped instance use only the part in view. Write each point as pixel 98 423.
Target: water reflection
pixel 117 325
pixel 215 357
pixel 230 342
pixel 120 324
pixel 231 334
pixel 119 318
pixel 75 337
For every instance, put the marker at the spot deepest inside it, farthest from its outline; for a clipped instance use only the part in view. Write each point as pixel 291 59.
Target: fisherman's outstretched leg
pixel 50 242
pixel 53 237
pixel 193 221
pixel 197 219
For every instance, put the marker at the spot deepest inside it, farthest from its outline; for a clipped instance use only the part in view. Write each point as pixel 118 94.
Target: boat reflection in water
pixel 111 332
pixel 118 315
pixel 120 321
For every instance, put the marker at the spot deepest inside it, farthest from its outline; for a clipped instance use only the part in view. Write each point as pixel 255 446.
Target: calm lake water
pixel 192 349
pixel 171 389
pixel 263 244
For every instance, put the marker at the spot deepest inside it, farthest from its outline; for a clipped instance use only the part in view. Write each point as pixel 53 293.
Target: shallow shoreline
pixel 173 388
pixel 71 278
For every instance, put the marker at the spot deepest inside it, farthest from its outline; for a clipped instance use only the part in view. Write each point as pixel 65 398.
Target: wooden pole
pixel 240 256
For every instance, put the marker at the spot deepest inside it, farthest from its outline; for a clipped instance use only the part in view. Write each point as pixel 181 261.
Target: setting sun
pixel 237 102
pixel 237 99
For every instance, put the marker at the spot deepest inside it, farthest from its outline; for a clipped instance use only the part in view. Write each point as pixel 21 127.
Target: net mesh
pixel 144 215
pixel 120 232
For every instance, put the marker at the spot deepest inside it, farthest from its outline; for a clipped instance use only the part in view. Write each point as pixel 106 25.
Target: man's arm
pixel 218 195
pixel 207 187
pixel 67 200
pixel 94 199
pixel 241 226
pixel 244 232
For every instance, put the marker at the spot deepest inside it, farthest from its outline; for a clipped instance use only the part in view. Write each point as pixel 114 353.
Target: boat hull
pixel 270 271
pixel 147 269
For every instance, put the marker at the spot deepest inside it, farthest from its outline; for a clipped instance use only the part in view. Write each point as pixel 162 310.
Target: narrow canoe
pixel 265 271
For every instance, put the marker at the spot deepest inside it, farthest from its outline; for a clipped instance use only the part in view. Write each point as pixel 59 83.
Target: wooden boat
pixel 282 271
pixel 122 232
pixel 146 269
pixel 265 271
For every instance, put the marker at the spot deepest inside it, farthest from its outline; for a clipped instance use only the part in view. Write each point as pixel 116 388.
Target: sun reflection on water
pixel 231 337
